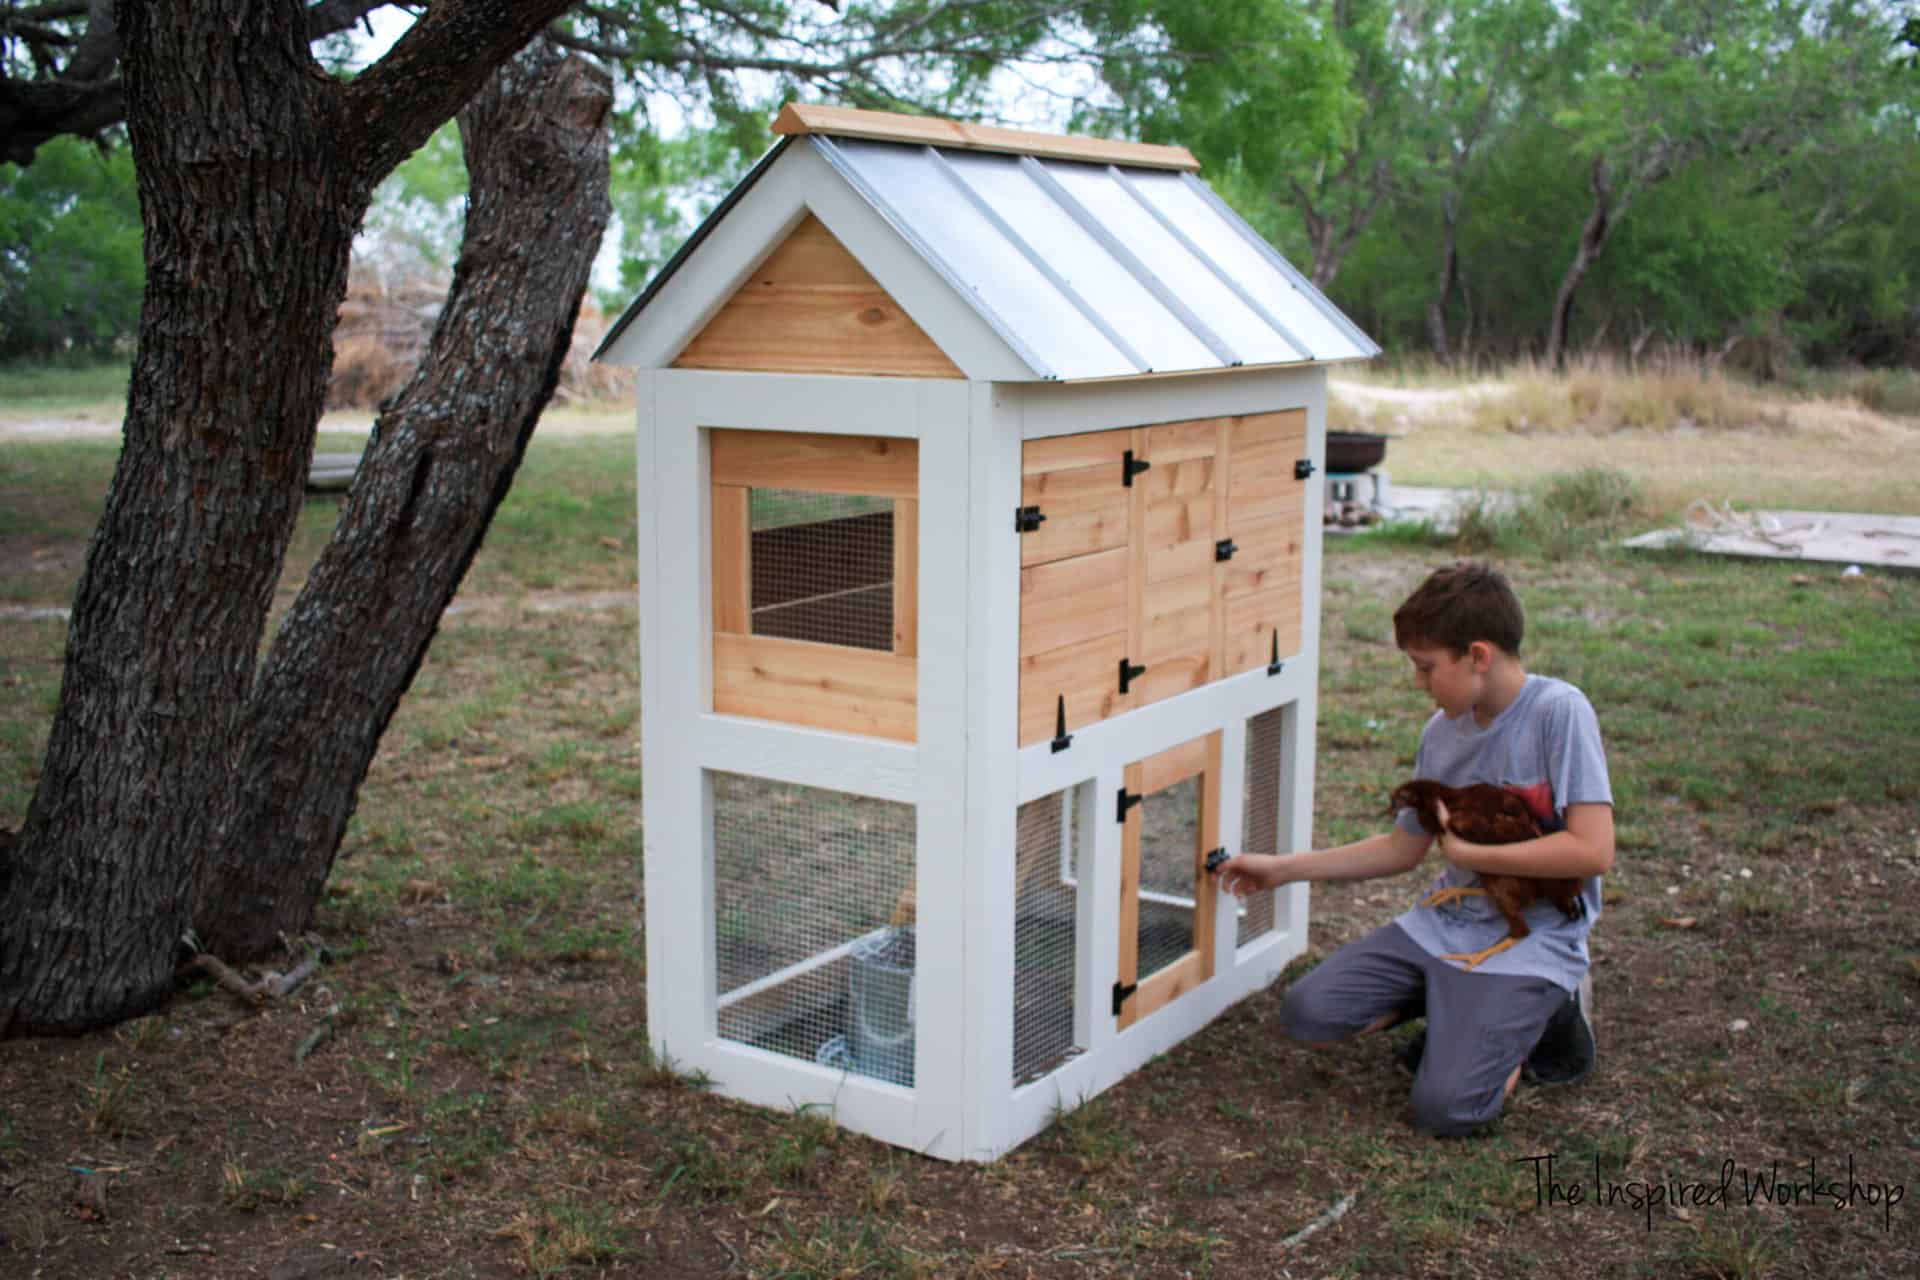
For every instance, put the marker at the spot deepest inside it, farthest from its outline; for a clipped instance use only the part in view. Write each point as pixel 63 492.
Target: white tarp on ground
pixel 1838 537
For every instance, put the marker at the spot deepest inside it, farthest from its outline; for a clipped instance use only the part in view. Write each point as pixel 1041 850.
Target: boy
pixel 1530 1004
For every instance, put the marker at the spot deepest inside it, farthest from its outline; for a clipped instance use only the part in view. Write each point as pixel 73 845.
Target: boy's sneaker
pixel 1408 1055
pixel 1565 1052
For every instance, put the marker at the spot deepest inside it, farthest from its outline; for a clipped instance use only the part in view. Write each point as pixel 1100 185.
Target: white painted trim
pixel 1068 408
pixel 802 401
pixel 863 766
pixel 947 823
pixel 991 631
pixel 1159 725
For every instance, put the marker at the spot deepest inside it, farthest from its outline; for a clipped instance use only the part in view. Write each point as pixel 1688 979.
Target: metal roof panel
pixel 908 186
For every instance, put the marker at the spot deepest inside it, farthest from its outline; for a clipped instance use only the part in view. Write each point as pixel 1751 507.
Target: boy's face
pixel 1452 681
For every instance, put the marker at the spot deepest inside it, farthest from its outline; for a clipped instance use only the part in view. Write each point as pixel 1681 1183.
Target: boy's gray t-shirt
pixel 1545 747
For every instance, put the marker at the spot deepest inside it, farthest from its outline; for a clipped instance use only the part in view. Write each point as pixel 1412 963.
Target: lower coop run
pixel 979 587
pixel 815 939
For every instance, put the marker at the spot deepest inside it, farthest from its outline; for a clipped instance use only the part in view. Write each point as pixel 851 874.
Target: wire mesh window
pixel 1169 842
pixel 813 924
pixel 1265 735
pixel 822 567
pixel 1045 938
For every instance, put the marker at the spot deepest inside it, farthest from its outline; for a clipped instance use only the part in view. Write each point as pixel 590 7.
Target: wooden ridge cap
pixel 936 131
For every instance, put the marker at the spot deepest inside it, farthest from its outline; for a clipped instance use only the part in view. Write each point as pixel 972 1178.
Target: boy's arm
pixel 1584 849
pixel 1386 854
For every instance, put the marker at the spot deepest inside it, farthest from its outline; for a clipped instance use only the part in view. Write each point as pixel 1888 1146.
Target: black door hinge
pixel 1121 994
pixel 1224 549
pixel 1130 467
pixel 1061 738
pixel 1027 519
pixel 1129 672
pixel 1274 667
pixel 1128 799
pixel 1303 469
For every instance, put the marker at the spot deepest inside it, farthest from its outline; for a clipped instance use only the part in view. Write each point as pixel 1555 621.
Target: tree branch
pixel 434 69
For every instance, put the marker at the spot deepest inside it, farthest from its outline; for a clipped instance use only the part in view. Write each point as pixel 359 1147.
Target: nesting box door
pixel 815 554
pixel 1154 560
pixel 1171 811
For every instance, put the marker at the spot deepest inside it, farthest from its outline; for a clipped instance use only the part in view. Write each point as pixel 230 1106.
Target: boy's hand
pixel 1249 873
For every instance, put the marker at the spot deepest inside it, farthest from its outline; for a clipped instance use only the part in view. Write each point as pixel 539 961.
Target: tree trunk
pixel 1449 276
pixel 227 382
pixel 254 171
pixel 1609 206
pixel 441 460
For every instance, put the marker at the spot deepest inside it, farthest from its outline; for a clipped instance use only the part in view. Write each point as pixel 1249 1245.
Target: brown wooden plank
pixel 1285 429
pixel 879 466
pixel 1170 442
pixel 1163 988
pixel 1068 601
pixel 1087 673
pixel 1086 511
pixel 825 686
pixel 1176 638
pixel 732 567
pixel 1070 453
pixel 812 308
pixel 1267 555
pixel 1251 622
pixel 1180 532
pixel 1223 473
pixel 1265 449
pixel 906 576
pixel 1206 896
pixel 1175 765
pixel 937 131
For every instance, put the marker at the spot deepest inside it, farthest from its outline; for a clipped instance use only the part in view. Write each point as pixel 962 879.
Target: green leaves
pixel 70 266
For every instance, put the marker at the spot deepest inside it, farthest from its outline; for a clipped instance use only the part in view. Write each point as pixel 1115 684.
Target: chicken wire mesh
pixel 1265 733
pixel 813 924
pixel 822 567
pixel 1169 842
pixel 1045 938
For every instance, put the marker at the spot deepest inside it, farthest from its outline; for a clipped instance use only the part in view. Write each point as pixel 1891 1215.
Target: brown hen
pixel 1486 814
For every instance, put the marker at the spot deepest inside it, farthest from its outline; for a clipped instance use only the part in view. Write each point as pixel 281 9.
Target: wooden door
pixel 1171 807
pixel 1179 511
pixel 1075 581
pixel 1266 519
pixel 1156 559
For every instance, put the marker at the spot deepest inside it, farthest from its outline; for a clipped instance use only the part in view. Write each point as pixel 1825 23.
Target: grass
pixel 89 388
pixel 488 1100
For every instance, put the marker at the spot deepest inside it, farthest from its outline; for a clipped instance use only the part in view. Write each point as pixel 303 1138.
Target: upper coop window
pixel 816 579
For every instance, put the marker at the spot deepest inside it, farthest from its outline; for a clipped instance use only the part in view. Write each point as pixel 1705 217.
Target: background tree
pixel 1656 89
pixel 189 784
pixel 70 270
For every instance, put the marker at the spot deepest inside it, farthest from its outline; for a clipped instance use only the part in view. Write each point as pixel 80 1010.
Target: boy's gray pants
pixel 1480 1026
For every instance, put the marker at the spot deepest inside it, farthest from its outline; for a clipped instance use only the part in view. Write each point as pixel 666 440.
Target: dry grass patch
pixel 1678 433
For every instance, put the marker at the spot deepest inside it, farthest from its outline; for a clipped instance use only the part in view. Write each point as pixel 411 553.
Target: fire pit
pixel 1352 451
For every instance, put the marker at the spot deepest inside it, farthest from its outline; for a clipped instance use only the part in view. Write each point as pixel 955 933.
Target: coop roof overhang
pixel 1079 258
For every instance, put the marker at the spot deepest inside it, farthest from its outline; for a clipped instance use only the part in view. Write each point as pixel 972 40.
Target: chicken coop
pixel 979 595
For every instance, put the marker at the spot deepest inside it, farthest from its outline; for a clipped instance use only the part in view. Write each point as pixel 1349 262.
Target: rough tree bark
pixel 442 457
pixel 254 170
